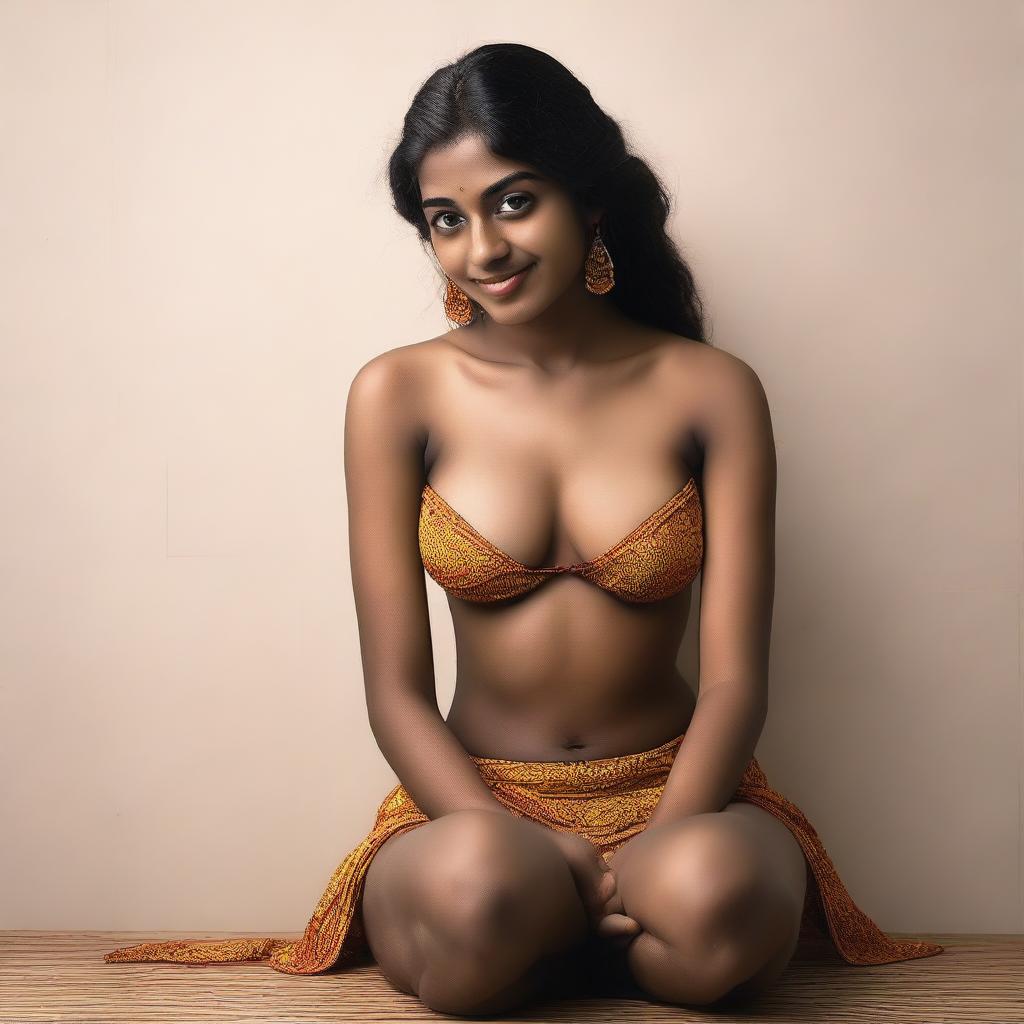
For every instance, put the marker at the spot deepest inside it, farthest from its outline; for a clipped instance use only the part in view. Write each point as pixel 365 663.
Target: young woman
pixel 563 462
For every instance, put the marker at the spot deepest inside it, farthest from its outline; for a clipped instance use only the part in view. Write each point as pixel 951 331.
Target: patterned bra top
pixel 657 559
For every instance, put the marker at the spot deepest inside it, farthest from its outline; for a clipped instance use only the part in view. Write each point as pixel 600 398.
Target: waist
pixel 551 727
pixel 640 769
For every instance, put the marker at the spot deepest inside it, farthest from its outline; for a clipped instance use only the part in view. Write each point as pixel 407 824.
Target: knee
pixel 497 880
pixel 500 902
pixel 711 922
pixel 703 891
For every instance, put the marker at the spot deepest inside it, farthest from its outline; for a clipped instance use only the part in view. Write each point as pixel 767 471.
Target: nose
pixel 487 245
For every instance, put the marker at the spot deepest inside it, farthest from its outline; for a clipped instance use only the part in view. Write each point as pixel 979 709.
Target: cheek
pixel 450 260
pixel 558 245
pixel 563 260
pixel 559 237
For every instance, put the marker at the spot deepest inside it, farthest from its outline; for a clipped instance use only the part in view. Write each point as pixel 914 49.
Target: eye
pixel 446 229
pixel 442 227
pixel 519 197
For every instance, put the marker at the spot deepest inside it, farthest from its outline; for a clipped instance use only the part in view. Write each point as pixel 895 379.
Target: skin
pixel 554 425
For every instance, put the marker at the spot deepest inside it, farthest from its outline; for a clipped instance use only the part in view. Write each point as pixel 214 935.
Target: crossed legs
pixel 476 913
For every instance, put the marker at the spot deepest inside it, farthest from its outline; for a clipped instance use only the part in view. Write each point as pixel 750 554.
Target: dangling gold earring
pixel 599 269
pixel 457 306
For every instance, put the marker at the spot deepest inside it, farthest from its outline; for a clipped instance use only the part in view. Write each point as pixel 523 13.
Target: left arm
pixel 736 595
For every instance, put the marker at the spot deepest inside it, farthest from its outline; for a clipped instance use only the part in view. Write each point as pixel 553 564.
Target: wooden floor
pixel 61 976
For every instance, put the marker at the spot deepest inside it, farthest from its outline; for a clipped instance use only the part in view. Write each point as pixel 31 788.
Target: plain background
pixel 198 253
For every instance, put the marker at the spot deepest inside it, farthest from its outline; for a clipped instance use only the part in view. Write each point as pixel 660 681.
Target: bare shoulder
pixel 705 364
pixel 400 379
pixel 404 364
pixel 722 385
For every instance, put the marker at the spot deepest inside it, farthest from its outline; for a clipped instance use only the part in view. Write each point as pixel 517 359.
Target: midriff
pixel 661 710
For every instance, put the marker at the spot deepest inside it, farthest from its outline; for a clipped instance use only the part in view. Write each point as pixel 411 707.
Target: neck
pixel 579 328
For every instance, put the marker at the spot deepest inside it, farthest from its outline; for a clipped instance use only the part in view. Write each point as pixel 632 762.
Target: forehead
pixel 466 167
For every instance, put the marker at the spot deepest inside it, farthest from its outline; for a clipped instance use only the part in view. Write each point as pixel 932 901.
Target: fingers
pixel 619 918
pixel 601 893
pixel 611 920
pixel 618 927
pixel 614 905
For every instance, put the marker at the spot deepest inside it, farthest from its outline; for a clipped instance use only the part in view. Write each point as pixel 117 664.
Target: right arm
pixel 384 443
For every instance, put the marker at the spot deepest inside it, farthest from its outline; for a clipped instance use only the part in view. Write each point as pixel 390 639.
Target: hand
pixel 616 924
pixel 596 884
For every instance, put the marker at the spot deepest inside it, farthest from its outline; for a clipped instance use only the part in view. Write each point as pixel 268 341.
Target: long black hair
pixel 527 106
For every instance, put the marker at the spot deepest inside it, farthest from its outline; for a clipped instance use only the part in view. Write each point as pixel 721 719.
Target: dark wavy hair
pixel 527 106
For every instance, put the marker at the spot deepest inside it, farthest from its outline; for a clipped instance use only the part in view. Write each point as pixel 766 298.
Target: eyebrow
pixel 487 192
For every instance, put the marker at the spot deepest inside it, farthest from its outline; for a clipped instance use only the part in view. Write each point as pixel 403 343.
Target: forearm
pixel 429 761
pixel 719 743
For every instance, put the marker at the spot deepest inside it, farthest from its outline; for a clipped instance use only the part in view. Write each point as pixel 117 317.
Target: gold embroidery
pixel 655 560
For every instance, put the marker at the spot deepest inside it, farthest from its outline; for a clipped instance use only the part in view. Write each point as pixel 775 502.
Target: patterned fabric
pixel 606 800
pixel 657 559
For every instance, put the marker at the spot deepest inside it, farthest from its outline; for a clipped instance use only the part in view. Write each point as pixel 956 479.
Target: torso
pixel 555 472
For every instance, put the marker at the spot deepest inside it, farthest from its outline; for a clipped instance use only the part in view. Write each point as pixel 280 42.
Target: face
pixel 486 224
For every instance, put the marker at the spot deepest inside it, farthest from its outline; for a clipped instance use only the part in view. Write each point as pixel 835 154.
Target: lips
pixel 507 284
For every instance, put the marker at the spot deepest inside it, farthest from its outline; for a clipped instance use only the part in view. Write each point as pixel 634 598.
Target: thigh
pixel 707 859
pixel 783 856
pixel 420 878
pixel 387 924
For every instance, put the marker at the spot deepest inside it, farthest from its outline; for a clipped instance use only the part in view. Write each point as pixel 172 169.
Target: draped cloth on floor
pixel 607 800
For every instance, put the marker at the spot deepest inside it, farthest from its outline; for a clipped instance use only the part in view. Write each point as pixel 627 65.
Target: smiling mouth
pixel 500 280
pixel 505 286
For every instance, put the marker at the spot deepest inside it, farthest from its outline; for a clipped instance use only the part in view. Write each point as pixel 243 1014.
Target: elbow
pixel 753 696
pixel 386 711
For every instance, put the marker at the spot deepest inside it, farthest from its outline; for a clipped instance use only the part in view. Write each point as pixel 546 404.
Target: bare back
pixel 556 471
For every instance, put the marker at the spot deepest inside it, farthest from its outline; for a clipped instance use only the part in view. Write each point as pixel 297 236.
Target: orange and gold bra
pixel 655 560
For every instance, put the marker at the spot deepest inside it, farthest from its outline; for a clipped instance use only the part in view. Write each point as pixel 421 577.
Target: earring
pixel 599 269
pixel 457 306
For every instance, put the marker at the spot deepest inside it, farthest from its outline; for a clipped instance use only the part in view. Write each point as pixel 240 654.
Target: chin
pixel 510 318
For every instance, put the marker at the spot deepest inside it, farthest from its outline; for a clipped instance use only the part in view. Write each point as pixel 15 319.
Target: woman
pixel 557 824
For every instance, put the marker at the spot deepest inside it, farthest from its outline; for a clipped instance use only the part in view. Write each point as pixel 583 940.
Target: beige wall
pixel 198 253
